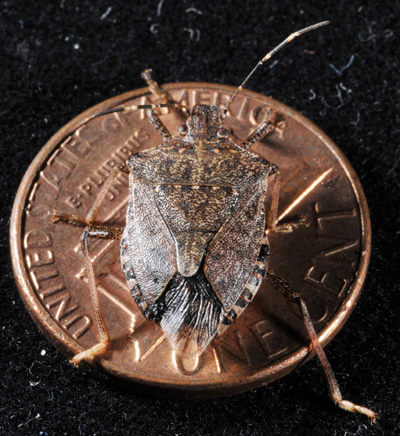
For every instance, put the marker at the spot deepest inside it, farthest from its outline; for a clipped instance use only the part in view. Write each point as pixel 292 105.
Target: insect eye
pixel 182 129
pixel 222 133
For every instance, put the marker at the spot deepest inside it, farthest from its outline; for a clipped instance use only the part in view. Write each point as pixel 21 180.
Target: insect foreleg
pixel 158 124
pixel 162 96
pixel 265 128
pixel 286 289
pixel 154 87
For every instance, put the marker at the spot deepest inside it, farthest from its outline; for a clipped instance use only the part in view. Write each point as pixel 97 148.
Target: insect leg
pixel 264 129
pixel 105 232
pixel 103 335
pixel 161 96
pixel 272 222
pixel 158 124
pixel 155 89
pixel 286 289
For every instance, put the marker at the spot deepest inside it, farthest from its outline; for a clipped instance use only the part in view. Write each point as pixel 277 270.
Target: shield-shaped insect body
pixel 191 250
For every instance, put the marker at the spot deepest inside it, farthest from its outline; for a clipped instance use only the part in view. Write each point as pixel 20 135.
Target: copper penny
pixel 326 262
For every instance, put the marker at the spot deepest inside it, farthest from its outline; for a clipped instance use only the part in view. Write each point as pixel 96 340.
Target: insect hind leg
pixel 103 232
pixel 96 231
pixel 102 333
pixel 287 290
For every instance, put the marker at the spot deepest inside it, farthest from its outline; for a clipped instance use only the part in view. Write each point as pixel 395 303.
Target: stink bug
pixel 195 247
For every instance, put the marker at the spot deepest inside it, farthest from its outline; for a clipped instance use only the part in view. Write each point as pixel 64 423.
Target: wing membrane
pixel 151 249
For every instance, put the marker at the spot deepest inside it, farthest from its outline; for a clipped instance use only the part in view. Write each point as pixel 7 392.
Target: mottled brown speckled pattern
pixel 194 230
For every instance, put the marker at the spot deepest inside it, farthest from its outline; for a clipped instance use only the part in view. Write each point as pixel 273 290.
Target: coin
pixel 326 262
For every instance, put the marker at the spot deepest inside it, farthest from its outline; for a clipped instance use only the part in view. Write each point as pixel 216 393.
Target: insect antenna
pixel 140 106
pixel 128 108
pixel 269 55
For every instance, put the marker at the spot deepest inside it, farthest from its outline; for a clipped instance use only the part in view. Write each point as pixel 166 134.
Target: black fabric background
pixel 60 58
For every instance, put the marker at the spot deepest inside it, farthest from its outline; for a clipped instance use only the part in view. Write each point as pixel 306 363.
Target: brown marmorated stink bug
pixel 195 250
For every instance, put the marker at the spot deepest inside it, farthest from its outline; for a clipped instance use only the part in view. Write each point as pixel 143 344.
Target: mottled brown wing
pixel 193 217
pixel 232 253
pixel 152 252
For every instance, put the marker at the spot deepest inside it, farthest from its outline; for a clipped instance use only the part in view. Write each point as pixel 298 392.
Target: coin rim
pixel 62 341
